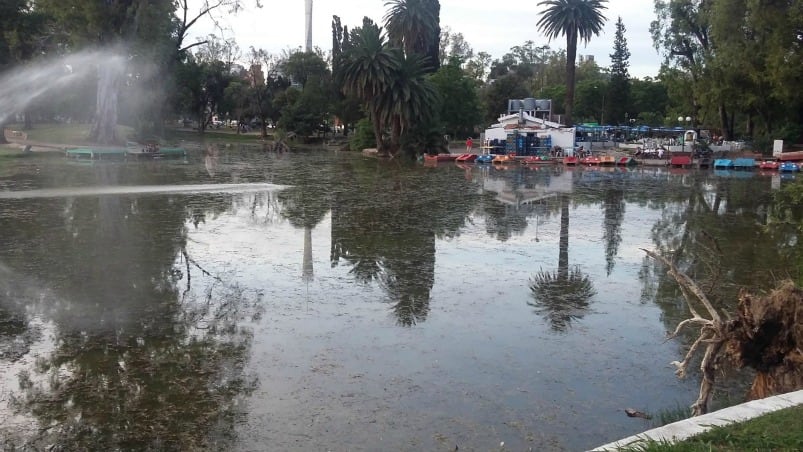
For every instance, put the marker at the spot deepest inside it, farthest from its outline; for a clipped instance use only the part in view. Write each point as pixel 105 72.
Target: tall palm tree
pixel 367 72
pixel 410 99
pixel 414 26
pixel 577 19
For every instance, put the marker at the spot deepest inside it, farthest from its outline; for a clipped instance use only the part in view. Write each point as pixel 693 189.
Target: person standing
pixel 469 144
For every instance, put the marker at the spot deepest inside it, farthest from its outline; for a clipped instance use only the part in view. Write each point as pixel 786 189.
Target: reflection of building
pixel 530 188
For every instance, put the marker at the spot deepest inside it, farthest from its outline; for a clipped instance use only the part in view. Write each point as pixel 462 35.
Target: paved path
pixel 687 428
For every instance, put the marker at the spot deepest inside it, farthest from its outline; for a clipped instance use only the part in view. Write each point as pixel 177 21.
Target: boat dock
pixel 121 153
pixel 96 153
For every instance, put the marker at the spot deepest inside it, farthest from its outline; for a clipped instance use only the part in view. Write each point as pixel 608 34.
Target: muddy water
pixel 365 306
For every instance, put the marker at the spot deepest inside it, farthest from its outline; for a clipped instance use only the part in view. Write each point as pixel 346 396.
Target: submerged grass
pixel 669 415
pixel 778 431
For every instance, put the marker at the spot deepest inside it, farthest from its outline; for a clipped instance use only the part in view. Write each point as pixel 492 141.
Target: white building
pixel 524 123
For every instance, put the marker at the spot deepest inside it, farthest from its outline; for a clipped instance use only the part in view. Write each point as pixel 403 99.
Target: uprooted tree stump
pixel 766 334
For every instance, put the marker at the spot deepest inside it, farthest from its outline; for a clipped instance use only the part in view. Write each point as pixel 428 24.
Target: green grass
pixel 670 415
pixel 778 431
pixel 75 134
pixel 14 152
pixel 223 135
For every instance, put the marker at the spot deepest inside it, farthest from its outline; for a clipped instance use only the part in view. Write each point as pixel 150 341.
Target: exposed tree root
pixel 765 334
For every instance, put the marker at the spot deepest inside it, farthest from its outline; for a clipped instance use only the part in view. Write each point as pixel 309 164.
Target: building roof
pixel 529 122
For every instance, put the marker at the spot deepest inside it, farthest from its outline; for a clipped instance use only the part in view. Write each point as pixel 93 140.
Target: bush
pixel 363 136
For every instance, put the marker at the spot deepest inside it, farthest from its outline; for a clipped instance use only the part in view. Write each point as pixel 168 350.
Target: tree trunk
pixel 723 120
pixel 732 127
pixel 395 138
pixel 571 56
pixel 563 241
pixel 3 123
pixel 307 272
pixel 104 129
pixel 377 124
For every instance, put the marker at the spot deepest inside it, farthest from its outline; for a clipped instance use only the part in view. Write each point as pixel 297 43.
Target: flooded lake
pixel 326 301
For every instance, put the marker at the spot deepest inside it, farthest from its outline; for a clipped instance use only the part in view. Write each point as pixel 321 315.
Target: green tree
pixel 754 68
pixel 299 66
pixel 266 83
pixel 238 101
pixel 307 110
pixel 345 108
pixel 496 95
pixel 203 86
pixel 108 24
pixel 477 66
pixel 459 106
pixel 410 100
pixel 21 37
pixel 683 31
pixel 588 97
pixel 414 27
pixel 454 45
pixel 577 20
pixel 367 71
pixel 649 101
pixel 619 87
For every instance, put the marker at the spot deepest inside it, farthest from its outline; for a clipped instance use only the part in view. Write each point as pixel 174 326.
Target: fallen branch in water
pixel 766 334
pixel 712 334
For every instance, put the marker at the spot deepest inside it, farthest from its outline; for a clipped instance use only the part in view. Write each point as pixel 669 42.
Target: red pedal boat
pixel 444 157
pixel 466 158
pixel 769 165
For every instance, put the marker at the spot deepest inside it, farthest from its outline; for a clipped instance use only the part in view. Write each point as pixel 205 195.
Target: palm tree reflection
pixel 563 295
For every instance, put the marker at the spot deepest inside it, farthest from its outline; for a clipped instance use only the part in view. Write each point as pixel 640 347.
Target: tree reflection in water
pixel 563 295
pixel 149 351
pixel 385 221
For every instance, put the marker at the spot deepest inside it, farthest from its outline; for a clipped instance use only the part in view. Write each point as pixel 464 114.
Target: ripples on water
pixel 364 305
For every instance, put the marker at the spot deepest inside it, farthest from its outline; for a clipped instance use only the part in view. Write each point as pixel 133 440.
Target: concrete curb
pixel 686 428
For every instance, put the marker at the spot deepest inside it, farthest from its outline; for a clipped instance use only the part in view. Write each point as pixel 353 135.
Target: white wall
pixel 560 137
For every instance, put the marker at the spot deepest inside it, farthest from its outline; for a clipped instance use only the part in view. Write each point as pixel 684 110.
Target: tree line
pixel 404 84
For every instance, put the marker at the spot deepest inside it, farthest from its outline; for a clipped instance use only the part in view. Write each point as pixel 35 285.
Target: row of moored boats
pixel 529 160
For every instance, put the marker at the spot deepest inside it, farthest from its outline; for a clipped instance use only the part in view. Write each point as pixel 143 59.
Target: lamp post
pixel 602 107
pixel 681 120
pixel 602 111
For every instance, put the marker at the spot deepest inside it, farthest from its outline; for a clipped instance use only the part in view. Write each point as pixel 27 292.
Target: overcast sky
pixel 489 26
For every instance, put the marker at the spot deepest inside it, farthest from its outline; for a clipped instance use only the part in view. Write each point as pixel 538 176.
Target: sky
pixel 487 26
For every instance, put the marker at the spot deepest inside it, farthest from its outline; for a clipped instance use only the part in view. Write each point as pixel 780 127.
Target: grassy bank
pixel 75 134
pixel 10 151
pixel 778 431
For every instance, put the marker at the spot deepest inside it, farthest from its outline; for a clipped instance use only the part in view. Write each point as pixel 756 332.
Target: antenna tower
pixel 308 24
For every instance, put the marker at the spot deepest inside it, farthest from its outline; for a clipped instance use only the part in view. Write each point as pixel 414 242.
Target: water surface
pixel 324 301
